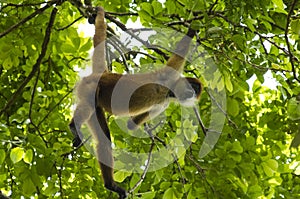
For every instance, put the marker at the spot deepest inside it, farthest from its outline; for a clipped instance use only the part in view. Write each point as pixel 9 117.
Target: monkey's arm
pixel 135 121
pixel 177 60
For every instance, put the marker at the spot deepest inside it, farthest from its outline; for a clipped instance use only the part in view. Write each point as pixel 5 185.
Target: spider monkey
pixel 140 96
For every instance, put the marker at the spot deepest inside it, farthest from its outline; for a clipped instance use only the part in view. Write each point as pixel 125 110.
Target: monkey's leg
pixel 100 130
pixel 140 119
pixel 135 121
pixel 81 114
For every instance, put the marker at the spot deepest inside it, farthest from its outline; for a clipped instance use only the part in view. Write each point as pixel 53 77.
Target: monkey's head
pixel 187 91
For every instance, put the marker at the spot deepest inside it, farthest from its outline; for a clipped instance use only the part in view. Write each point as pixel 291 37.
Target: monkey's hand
pixel 100 12
pixel 77 135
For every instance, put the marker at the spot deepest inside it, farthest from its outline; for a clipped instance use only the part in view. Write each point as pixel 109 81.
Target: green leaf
pixel 270 167
pixel 239 41
pixel 295 27
pixel 148 195
pixel 145 17
pixel 212 30
pixel 76 43
pixel 275 181
pixel 293 109
pixel 249 22
pixel 28 186
pixel 157 7
pixel 165 185
pixel 273 164
pixel 28 156
pixel 171 7
pixel 86 47
pixel 147 7
pixel 190 135
pixel 196 5
pixel 254 191
pixel 296 141
pixel 196 25
pixel 169 194
pixel 187 124
pixel 220 85
pixel 279 4
pixel 16 154
pixel 7 63
pixel 236 157
pixel 233 107
pixel 228 83
pixel 2 156
pixel 120 176
pixel 67 48
pixel 184 2
pixel 256 85
pixel 236 147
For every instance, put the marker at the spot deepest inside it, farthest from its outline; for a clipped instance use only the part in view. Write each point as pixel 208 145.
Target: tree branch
pixel 291 56
pixel 63 28
pixel 36 65
pixel 38 11
pixel 123 14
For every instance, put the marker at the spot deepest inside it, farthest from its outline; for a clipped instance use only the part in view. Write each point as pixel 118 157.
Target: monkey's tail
pixel 183 45
pixel 99 55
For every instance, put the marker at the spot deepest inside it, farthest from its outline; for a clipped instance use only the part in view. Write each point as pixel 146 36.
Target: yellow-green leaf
pixel 16 154
pixel 2 156
pixel 279 4
pixel 120 176
pixel 233 107
pixel 228 84
pixel 28 156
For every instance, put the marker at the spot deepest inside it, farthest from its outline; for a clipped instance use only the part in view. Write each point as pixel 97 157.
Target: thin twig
pixel 63 28
pixel 147 164
pixel 125 29
pixel 56 105
pixel 223 111
pixel 173 155
pixel 124 60
pixel 123 14
pixel 212 6
pixel 204 129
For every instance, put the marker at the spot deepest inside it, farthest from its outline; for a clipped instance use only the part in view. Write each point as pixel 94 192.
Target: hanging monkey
pixel 140 96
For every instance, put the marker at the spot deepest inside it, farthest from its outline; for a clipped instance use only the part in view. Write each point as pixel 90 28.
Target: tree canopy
pixel 248 45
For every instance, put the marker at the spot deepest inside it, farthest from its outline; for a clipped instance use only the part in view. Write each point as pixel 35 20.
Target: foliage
pixel 257 154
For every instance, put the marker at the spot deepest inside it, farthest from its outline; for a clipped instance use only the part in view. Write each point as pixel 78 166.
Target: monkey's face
pixel 187 91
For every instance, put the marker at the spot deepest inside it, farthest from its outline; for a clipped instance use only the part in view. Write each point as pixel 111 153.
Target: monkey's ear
pixel 196 85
